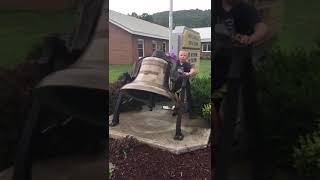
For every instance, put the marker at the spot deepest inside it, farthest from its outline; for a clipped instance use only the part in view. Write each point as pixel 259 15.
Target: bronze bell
pixel 78 91
pixel 152 80
pixel 151 84
pixel 84 84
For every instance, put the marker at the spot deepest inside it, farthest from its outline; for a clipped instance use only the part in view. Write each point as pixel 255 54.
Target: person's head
pixel 231 2
pixel 159 54
pixel 183 56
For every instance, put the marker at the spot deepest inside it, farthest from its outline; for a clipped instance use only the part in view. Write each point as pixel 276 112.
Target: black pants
pixel 246 82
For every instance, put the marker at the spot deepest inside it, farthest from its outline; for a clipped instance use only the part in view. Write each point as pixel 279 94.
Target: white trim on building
pixel 142 48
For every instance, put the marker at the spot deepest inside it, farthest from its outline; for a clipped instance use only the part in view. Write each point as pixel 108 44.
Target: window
pixel 164 46
pixel 206 47
pixel 154 46
pixel 140 48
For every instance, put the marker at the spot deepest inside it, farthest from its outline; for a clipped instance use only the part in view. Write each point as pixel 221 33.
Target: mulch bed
pixel 134 160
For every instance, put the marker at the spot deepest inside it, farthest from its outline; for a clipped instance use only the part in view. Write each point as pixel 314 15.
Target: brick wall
pixel 148 44
pixel 123 46
pixel 120 46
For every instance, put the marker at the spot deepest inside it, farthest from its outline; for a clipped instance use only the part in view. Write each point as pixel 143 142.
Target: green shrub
pixel 201 93
pixel 289 99
pixel 206 112
pixel 307 156
pixel 110 173
pixel 36 51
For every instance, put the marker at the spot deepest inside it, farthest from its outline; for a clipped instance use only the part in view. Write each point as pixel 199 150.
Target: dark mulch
pixel 134 160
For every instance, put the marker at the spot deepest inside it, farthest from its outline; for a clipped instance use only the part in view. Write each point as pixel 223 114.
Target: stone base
pixel 157 128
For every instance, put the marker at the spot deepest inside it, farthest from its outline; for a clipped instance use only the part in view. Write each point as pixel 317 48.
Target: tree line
pixel 193 18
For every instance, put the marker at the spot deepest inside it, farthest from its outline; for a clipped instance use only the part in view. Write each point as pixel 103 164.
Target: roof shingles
pixel 138 26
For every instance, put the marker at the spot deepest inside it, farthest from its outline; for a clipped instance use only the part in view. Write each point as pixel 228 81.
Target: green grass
pixel 116 70
pixel 300 26
pixel 205 68
pixel 21 30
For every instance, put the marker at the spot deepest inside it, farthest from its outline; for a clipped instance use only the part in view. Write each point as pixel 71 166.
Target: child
pixel 188 70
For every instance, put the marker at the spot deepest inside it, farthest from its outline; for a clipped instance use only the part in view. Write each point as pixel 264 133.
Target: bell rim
pixel 149 88
pixel 75 78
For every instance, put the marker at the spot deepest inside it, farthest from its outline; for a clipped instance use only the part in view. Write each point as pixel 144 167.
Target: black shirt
pixel 241 18
pixel 186 66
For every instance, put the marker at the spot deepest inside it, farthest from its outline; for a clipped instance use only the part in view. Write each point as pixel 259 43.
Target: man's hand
pixel 259 34
pixel 187 74
pixel 243 39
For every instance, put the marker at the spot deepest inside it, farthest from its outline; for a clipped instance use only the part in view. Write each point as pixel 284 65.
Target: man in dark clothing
pixel 242 21
pixel 233 65
pixel 245 26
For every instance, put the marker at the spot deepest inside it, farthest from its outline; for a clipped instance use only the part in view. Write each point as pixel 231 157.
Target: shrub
pixel 110 173
pixel 289 100
pixel 36 51
pixel 201 93
pixel 307 156
pixel 206 112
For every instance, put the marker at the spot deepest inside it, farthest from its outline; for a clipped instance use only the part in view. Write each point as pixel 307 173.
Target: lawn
pixel 21 30
pixel 116 70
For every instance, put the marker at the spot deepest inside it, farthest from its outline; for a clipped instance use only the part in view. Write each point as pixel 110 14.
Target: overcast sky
pixel 153 6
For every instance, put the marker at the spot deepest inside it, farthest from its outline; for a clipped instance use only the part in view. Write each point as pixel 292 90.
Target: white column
pixel 170 26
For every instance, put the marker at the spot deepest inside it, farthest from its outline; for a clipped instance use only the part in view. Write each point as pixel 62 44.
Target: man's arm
pixel 260 31
pixel 248 13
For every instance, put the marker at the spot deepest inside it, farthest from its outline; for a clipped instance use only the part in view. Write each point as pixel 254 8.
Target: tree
pixel 134 15
pixel 190 18
pixel 146 17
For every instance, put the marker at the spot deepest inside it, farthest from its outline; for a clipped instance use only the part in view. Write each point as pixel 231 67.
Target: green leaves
pixel 289 100
pixel 307 156
pixel 201 93
pixel 206 112
pixel 191 18
pixel 110 173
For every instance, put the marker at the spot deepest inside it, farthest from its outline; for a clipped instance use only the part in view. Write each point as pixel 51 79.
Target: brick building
pixel 205 34
pixel 131 38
